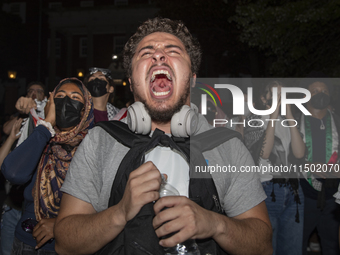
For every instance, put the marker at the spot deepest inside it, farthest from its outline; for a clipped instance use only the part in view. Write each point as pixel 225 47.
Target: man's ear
pixel 130 85
pixel 193 81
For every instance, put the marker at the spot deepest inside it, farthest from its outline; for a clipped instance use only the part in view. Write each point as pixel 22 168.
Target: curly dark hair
pixel 174 27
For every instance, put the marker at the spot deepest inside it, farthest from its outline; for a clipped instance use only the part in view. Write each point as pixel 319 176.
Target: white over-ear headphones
pixel 183 123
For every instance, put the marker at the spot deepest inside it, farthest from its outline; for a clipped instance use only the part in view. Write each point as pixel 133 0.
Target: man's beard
pixel 160 114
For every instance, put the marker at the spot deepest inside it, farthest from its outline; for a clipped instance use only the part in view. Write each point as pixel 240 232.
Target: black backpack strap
pixel 214 137
pixel 120 131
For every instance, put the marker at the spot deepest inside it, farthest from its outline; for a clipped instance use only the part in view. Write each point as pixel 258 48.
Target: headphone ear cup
pixel 184 123
pixel 138 119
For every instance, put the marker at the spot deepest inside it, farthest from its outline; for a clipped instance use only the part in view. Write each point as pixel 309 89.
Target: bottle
pixel 188 247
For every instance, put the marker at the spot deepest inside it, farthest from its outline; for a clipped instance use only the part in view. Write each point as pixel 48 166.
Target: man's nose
pixel 159 56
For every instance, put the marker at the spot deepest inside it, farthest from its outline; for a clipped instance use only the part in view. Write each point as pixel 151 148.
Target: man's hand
pixel 43 231
pixel 15 130
pixel 25 104
pixel 50 110
pixel 183 216
pixel 141 188
pixel 289 114
pixel 277 111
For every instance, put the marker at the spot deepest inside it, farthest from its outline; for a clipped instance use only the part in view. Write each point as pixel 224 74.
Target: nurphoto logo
pixel 239 102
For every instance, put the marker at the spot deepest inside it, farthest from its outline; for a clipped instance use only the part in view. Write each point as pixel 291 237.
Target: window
pixel 55 5
pixel 119 42
pixel 16 9
pixel 83 47
pixel 86 3
pixel 57 47
pixel 121 2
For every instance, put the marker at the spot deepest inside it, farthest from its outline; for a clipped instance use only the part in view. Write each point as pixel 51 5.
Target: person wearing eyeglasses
pixel 42 160
pixel 35 98
pixel 101 86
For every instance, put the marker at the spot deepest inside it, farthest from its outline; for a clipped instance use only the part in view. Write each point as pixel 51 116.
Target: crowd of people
pixel 75 187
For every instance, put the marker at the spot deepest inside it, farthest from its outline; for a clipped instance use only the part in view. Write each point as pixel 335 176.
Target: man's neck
pixel 162 126
pixel 317 113
pixel 99 103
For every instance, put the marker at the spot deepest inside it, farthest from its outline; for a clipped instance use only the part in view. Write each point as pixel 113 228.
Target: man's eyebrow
pixel 149 47
pixel 173 46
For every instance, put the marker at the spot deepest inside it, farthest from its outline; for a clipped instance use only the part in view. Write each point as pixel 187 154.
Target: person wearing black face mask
pixel 101 86
pixel 42 161
pixel 321 133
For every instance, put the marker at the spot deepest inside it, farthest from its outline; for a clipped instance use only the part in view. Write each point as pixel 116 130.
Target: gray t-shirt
pixel 94 166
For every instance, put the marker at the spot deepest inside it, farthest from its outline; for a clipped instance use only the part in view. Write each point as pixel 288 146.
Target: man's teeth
pixel 153 77
pixel 161 93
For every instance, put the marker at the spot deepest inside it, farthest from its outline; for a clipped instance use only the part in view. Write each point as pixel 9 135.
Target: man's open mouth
pixel 161 84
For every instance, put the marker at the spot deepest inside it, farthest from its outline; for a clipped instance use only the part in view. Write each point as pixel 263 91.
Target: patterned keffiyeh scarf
pixel 331 145
pixel 55 162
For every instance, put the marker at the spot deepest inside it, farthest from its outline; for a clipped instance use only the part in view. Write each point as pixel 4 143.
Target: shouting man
pixel 160 59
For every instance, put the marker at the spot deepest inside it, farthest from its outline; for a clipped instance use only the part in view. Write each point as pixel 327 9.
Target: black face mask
pixel 68 112
pixel 320 101
pixel 97 87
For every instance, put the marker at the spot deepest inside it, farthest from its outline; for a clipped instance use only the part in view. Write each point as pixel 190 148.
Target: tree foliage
pixel 301 35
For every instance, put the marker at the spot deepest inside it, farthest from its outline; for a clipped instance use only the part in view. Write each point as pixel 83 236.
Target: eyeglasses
pixel 38 91
pixel 104 71
pixel 28 225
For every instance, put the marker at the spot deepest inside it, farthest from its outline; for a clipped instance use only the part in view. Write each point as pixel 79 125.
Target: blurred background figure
pixel 101 86
pixel 35 98
pixel 272 144
pixel 33 103
pixel 12 207
pixel 321 135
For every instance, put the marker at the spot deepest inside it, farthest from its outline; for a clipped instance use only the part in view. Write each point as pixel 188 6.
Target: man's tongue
pixel 161 86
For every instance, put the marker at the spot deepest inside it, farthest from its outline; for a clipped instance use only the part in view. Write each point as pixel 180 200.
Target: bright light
pixel 124 83
pixel 80 73
pixel 114 56
pixel 12 74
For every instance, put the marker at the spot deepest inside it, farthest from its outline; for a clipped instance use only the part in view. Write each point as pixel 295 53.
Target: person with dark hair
pixel 160 60
pixel 275 145
pixel 101 86
pixel 36 90
pixel 35 98
pixel 321 134
pixel 12 208
pixel 69 116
